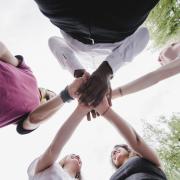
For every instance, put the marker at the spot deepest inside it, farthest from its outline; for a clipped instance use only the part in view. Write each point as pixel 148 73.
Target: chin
pixel 120 160
pixel 76 165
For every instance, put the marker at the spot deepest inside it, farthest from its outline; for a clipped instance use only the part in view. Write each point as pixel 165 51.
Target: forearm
pixel 66 131
pixel 148 80
pixel 123 127
pixel 45 110
pixel 133 139
pixel 63 135
pixel 137 85
pixel 6 56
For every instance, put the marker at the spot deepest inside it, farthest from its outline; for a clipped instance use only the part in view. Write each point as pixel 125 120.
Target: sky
pixel 25 31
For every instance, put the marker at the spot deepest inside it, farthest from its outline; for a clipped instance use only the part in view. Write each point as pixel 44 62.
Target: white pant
pixel 117 54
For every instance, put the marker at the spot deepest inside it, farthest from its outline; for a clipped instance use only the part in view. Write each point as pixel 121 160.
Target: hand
pixel 84 108
pixel 93 91
pixel 75 85
pixel 79 73
pixel 103 106
pixel 92 114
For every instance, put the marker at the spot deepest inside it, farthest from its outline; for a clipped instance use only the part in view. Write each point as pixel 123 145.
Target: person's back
pixel 18 91
pixel 102 21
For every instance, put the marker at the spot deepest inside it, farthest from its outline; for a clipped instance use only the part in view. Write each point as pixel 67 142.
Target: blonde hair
pixel 43 94
pixel 131 153
pixel 62 163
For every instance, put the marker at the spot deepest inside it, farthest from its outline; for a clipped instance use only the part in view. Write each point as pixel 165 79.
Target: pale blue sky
pixel 26 31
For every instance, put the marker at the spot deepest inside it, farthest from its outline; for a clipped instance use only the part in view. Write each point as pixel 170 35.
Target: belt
pixel 85 40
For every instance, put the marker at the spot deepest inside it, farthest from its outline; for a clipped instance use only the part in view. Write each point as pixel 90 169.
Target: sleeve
pixel 128 49
pixel 32 168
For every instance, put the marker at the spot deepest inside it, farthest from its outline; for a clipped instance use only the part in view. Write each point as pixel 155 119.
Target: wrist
pixel 106 111
pixel 83 109
pixel 105 70
pixel 65 96
pixel 70 90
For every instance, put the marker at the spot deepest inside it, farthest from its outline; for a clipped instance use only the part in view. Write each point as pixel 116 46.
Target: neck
pixel 125 160
pixel 70 171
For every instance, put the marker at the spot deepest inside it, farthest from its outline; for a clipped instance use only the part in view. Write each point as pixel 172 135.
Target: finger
pixel 86 75
pixel 84 86
pixel 93 113
pixel 93 81
pixel 99 98
pixel 89 96
pixel 109 97
pixel 88 116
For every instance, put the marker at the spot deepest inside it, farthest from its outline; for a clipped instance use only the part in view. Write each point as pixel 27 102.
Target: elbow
pixel 35 118
pixel 137 141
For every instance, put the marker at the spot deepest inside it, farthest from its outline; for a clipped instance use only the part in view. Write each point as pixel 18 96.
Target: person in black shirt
pixel 99 22
pixel 140 162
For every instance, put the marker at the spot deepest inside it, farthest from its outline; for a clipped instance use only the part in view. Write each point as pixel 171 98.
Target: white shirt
pixel 54 172
pixel 116 54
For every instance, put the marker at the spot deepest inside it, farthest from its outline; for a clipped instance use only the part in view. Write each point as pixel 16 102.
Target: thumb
pixel 86 76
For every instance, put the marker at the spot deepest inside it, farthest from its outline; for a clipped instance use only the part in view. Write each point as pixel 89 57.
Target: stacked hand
pixel 76 84
pixel 90 90
pixel 100 109
pixel 97 86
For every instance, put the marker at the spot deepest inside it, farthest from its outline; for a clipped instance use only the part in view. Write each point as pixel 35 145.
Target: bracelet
pixel 120 91
pixel 105 111
pixel 65 95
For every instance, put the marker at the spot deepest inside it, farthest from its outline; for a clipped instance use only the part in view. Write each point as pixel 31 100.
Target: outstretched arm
pixel 46 110
pixel 61 138
pixel 134 140
pixel 149 79
pixel 6 56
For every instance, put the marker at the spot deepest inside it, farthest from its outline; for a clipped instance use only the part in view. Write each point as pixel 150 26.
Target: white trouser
pixel 117 54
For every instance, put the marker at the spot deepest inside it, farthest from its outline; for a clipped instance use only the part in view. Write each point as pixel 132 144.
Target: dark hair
pixel 131 152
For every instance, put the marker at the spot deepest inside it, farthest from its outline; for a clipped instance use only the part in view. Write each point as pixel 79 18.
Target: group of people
pixel 113 32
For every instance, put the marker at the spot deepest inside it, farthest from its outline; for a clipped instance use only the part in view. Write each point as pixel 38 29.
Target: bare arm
pixel 6 56
pixel 46 110
pixel 134 140
pixel 61 138
pixel 149 79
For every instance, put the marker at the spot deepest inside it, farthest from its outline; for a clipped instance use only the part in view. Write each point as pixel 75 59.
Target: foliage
pixel 164 22
pixel 164 136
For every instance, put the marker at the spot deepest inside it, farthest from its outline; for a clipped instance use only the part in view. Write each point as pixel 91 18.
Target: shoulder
pixel 32 167
pixel 54 169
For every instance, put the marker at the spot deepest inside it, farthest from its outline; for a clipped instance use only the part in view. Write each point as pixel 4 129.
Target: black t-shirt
pixel 103 21
pixel 137 168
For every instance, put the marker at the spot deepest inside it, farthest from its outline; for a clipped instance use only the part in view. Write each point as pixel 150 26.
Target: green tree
pixel 164 22
pixel 164 136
